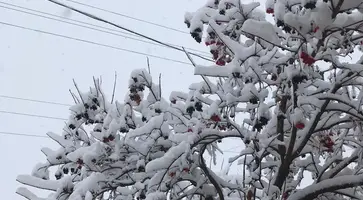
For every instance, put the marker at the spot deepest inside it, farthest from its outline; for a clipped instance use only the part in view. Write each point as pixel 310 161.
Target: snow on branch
pixel 330 185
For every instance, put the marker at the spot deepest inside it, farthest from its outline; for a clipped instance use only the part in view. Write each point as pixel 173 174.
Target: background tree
pixel 105 145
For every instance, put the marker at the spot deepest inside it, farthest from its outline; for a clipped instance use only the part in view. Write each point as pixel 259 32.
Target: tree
pixel 300 104
pixel 303 100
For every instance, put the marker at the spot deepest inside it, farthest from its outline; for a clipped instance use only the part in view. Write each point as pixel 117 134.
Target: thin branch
pixel 114 88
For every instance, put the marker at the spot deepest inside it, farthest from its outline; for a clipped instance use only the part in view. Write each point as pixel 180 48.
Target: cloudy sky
pixel 38 63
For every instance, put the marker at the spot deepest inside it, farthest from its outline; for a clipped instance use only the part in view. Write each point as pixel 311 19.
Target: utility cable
pixel 83 26
pixel 32 115
pixel 94 43
pixel 23 134
pixel 34 100
pixel 129 17
pixel 125 29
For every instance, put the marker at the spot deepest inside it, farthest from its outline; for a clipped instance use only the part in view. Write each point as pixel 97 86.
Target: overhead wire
pixel 94 43
pixel 129 17
pixel 119 33
pixel 124 28
pixel 43 136
pixel 32 115
pixel 34 100
pixel 23 134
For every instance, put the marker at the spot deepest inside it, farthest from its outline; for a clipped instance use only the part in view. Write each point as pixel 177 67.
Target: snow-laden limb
pixel 331 185
pixel 27 194
pixel 262 29
pixel 51 185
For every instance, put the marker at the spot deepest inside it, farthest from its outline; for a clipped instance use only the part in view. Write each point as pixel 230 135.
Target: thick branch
pixel 330 185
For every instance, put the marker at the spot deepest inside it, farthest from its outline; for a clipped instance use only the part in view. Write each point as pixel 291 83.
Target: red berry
pixel 80 161
pixel 285 196
pixel 303 55
pixel 300 125
pixel 215 55
pixel 215 118
pixel 186 170
pixel 207 43
pixel 172 174
pixel 219 43
pixel 269 10
pixel 190 130
pixel 111 137
pixel 221 62
pixel 316 29
pixel 105 139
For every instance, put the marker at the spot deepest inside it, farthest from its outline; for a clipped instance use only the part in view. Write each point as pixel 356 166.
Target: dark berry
pixel 190 110
pixel 236 74
pixel 287 29
pixel 299 79
pixel 111 137
pixel 280 23
pixel 141 169
pixel 86 106
pixel 143 119
pixel 141 88
pixel 58 176
pixel 222 12
pixel 254 100
pixel 310 5
pixel 135 79
pixel 94 107
pixel 198 106
pixel 65 170
pixel 157 110
pixel 72 126
pixel 187 23
pixel 133 89
pixel 95 100
pixel 79 116
pixel 263 121
pixel 85 115
pixel 291 61
pixel 258 127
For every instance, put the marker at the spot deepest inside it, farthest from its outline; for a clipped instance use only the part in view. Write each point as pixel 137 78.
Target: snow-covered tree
pixel 297 80
pixel 286 87
pixel 105 145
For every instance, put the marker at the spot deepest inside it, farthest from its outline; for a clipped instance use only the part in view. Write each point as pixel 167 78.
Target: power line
pixel 81 22
pixel 123 28
pixel 32 115
pixel 23 134
pixel 43 136
pixel 129 17
pixel 36 101
pixel 95 43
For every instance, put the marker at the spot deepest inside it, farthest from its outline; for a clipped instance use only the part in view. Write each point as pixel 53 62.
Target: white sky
pixel 38 66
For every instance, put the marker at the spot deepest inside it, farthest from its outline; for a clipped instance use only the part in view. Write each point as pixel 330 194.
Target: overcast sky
pixel 38 66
